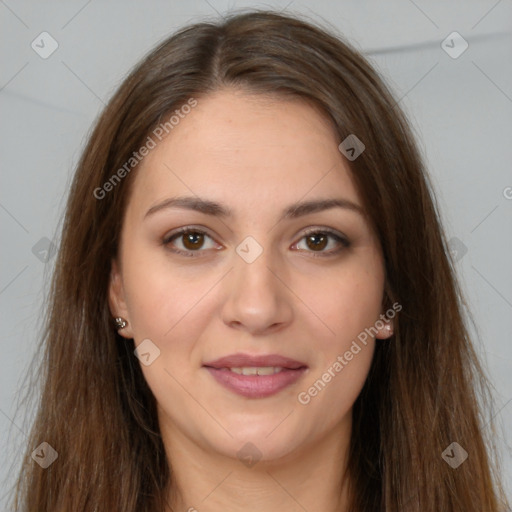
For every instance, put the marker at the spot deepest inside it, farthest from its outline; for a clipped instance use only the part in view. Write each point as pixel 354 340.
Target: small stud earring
pixel 121 323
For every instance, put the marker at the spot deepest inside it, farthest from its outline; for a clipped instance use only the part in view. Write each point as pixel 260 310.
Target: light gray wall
pixel 461 109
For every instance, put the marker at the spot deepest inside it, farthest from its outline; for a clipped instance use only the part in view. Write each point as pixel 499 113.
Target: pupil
pixel 317 245
pixel 191 238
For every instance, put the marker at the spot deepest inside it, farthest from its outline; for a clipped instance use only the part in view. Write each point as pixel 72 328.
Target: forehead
pixel 248 152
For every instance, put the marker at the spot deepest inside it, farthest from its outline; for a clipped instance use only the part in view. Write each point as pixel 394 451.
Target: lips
pixel 240 360
pixel 274 373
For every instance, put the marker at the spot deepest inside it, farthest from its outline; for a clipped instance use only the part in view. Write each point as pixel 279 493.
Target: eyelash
pixel 187 230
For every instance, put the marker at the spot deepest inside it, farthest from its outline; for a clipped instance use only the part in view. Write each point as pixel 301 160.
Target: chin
pixel 263 442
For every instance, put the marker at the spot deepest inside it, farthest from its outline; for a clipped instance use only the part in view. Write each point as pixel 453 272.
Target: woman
pixel 253 305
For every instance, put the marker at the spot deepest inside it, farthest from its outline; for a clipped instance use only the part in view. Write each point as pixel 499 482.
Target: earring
pixel 121 323
pixel 389 328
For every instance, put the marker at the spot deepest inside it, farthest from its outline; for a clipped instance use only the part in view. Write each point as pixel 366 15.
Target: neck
pixel 312 477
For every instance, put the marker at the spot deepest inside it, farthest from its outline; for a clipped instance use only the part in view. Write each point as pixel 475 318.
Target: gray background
pixel 460 109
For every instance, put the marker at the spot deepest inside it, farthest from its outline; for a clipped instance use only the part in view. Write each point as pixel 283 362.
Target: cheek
pixel 344 350
pixel 150 294
pixel 342 304
pixel 330 394
pixel 346 305
pixel 171 309
pixel 166 303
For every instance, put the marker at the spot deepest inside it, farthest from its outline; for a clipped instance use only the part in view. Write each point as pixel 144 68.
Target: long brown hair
pixel 426 388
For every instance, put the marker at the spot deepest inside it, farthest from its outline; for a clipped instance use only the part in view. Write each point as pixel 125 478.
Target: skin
pixel 256 156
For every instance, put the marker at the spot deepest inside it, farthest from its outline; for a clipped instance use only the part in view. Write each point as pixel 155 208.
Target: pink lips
pixel 255 386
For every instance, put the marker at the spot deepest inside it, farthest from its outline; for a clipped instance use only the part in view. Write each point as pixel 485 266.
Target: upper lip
pixel 245 360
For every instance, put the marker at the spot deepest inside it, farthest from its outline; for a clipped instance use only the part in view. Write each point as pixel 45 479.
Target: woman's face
pixel 252 281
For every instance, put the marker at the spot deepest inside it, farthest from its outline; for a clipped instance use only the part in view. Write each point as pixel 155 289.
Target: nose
pixel 258 296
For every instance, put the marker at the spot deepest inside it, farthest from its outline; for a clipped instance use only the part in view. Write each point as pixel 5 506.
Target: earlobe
pixel 116 300
pixel 385 328
pixel 386 324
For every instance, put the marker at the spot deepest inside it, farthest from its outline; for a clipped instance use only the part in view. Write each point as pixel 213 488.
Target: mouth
pixel 256 376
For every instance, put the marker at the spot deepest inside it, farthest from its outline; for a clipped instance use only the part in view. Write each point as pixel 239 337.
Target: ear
pixel 385 327
pixel 116 299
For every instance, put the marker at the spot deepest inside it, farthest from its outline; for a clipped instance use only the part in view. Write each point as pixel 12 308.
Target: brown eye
pixel 317 241
pixel 193 240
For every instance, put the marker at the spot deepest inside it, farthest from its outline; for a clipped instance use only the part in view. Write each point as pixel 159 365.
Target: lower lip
pixel 256 386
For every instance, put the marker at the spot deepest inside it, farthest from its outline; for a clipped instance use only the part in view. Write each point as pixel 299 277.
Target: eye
pixel 193 239
pixel 317 240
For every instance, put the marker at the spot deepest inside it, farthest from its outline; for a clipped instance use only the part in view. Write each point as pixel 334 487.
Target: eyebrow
pixel 213 208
